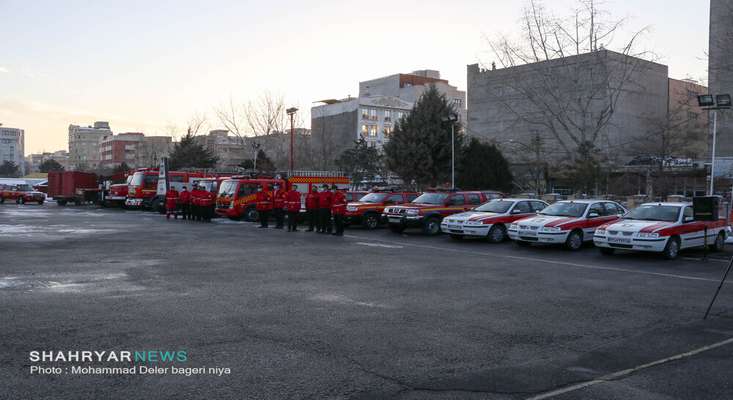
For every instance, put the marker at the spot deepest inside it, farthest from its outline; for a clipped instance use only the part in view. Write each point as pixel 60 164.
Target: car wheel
pixel 40 202
pixel 497 234
pixel 431 227
pixel 2 200
pixel 251 214
pixel 61 202
pixel 396 228
pixel 672 249
pixel 719 244
pixel 574 241
pixel 371 221
pixel 456 237
pixel 606 251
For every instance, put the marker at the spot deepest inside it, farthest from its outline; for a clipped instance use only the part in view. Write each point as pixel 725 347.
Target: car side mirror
pixel 689 219
pixel 593 215
pixel 515 211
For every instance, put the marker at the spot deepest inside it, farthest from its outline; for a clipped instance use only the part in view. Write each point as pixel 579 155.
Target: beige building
pixel 84 145
pixel 12 147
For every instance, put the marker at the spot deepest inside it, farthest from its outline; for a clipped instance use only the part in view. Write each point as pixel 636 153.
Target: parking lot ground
pixel 370 315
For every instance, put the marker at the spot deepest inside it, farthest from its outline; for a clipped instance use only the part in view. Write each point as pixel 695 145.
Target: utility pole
pixel 291 112
pixel 452 118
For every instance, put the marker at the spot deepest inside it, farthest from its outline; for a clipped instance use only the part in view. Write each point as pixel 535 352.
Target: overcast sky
pixel 148 65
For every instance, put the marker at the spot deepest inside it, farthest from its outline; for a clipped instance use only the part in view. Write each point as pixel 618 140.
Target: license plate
pixel 527 233
pixel 395 219
pixel 619 240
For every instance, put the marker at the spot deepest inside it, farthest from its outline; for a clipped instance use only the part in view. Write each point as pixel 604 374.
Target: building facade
pixel 35 160
pixel 114 150
pixel 12 147
pixel 230 150
pixel 602 99
pixel 84 144
pixel 337 124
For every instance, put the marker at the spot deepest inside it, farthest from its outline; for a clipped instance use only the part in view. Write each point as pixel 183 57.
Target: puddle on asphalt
pixel 93 283
pixel 49 232
pixel 341 299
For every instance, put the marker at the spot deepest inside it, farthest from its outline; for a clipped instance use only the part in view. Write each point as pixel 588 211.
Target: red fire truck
pixel 142 188
pixel 236 199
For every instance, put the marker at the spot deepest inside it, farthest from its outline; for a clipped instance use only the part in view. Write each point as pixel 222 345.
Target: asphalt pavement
pixel 372 315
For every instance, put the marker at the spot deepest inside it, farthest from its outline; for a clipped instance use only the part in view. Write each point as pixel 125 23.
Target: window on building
pixel 458 103
pixel 388 131
pixel 373 131
pixel 364 113
pixel 373 114
pixel 387 115
pixel 692 115
pixel 364 130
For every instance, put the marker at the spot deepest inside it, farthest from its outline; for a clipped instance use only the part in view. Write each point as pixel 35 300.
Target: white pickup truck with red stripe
pixel 569 222
pixel 665 228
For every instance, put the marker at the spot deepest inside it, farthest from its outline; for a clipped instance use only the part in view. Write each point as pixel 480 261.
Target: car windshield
pixel 23 188
pixel 495 206
pixel 655 213
pixel 227 188
pixel 565 209
pixel 137 178
pixel 373 198
pixel 431 198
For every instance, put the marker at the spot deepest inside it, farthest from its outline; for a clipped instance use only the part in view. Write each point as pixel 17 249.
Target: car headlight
pixel 514 227
pixel 648 235
pixel 600 231
pixel 550 229
pixel 413 211
pixel 351 208
pixel 473 222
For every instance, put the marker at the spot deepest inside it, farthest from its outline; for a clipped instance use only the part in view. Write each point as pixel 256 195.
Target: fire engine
pixel 569 222
pixel 116 195
pixel 21 193
pixel 491 220
pixel 142 191
pixel 428 210
pixel 664 228
pixel 368 210
pixel 236 198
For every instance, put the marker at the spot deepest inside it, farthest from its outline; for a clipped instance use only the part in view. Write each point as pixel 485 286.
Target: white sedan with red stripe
pixel 665 228
pixel 490 220
pixel 569 222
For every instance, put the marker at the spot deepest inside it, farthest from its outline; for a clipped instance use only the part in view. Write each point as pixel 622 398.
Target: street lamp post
pixel 452 118
pixel 291 112
pixel 714 103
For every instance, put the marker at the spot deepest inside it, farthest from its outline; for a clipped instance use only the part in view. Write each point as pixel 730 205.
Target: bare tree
pixel 571 99
pixel 197 124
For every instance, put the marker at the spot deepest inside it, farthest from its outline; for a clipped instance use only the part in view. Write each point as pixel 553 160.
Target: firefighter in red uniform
pixel 278 204
pixel 292 204
pixel 338 208
pixel 171 197
pixel 207 201
pixel 184 203
pixel 264 205
pixel 196 195
pixel 311 208
pixel 324 210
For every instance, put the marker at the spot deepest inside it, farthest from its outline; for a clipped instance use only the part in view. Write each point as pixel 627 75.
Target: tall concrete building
pixel 720 76
pixel 117 149
pixel 550 108
pixel 229 149
pixel 12 147
pixel 35 160
pixel 84 144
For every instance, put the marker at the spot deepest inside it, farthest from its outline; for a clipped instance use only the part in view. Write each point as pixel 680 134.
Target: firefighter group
pixel 325 208
pixel 320 207
pixel 196 205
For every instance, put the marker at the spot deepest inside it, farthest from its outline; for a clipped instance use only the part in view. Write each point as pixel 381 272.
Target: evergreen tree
pixel 483 166
pixel 189 154
pixel 361 162
pixel 9 170
pixel 264 163
pixel 50 165
pixel 419 149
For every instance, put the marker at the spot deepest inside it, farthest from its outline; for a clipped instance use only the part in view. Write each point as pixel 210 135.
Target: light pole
pixel 452 118
pixel 291 112
pixel 255 148
pixel 714 103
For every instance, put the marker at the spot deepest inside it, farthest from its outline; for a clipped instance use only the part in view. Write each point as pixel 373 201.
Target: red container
pixel 65 184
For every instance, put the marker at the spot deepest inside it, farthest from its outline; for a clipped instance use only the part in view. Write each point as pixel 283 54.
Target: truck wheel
pixel 371 221
pixel 607 251
pixel 431 227
pixel 672 249
pixel 251 214
pixel 61 202
pixel 2 200
pixel 157 205
pixel 20 200
pixel 574 241
pixel 497 234
pixel 719 244
pixel 77 202
pixel 40 202
pixel 396 228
